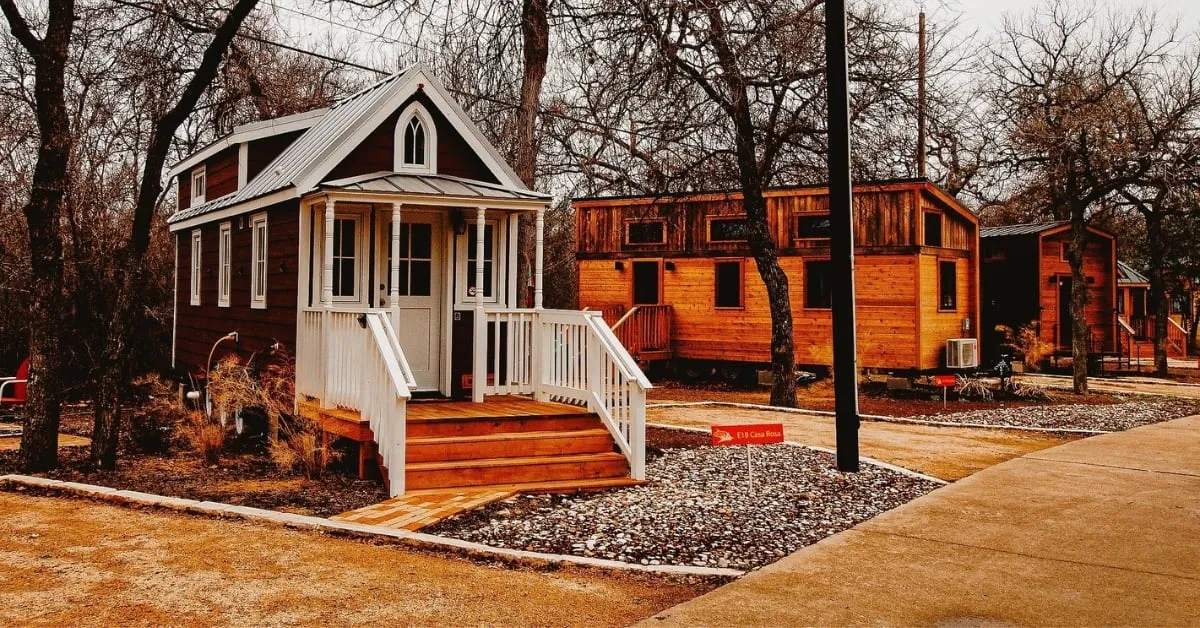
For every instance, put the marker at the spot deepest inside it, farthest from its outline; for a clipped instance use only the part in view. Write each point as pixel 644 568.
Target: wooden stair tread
pixel 552 486
pixel 513 462
pixel 500 417
pixel 506 436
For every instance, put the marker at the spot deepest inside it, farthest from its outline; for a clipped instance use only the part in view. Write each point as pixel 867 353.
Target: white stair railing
pixel 355 362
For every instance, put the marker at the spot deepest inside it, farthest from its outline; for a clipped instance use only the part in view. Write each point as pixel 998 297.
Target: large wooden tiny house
pixel 1027 280
pixel 675 275
pixel 377 240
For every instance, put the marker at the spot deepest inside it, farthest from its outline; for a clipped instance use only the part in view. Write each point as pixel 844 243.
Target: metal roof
pixel 1023 229
pixel 431 185
pixel 1127 274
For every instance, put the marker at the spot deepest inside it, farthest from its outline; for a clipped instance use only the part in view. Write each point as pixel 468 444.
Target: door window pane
pixel 344 260
pixel 488 258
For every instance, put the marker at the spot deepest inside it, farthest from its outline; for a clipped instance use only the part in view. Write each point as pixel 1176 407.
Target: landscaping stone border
pixel 872 417
pixel 306 522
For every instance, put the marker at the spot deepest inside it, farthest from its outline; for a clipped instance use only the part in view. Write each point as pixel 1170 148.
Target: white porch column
pixel 479 370
pixel 327 299
pixel 537 259
pixel 394 270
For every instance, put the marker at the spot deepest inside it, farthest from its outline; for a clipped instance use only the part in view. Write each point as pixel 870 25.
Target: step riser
pixel 544 472
pixel 484 426
pixel 516 448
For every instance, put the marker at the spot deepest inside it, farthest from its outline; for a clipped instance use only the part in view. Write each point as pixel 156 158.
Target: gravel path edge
pixel 220 510
pixel 827 450
pixel 872 417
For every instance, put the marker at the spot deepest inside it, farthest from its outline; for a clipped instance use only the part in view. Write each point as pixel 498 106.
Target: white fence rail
pixel 571 357
pixel 352 359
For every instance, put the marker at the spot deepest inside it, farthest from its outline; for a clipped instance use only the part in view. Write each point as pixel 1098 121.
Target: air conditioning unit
pixel 962 353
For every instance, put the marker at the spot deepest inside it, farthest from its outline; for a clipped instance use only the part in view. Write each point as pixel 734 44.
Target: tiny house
pixel 1136 314
pixel 1027 280
pixel 377 240
pixel 675 276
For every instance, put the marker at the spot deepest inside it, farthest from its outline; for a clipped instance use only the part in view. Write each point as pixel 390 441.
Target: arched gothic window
pixel 414 143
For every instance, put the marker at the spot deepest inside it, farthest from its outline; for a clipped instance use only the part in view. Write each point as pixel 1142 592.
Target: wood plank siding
pixel 900 323
pixel 198 327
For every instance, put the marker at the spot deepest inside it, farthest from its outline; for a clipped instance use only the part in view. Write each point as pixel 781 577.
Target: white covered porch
pixel 408 285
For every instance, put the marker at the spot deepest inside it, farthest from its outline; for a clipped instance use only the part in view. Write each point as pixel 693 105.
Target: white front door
pixel 420 324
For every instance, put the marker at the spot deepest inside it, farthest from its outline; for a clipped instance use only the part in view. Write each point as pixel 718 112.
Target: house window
pixel 933 229
pixel 728 230
pixel 1064 252
pixel 416 259
pixel 647 281
pixel 1121 301
pixel 489 258
pixel 199 182
pixel 729 281
pixel 646 232
pixel 818 285
pixel 415 141
pixel 258 274
pixel 196 267
pixel 345 258
pixel 224 264
pixel 813 227
pixel 947 285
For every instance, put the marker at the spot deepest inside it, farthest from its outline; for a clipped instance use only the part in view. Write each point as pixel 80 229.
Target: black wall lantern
pixel 619 265
pixel 669 265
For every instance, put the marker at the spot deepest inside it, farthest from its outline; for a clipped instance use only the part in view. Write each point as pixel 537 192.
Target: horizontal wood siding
pixel 938 325
pixel 261 152
pixel 198 327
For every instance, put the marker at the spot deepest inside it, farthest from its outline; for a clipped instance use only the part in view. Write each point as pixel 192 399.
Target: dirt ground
pixel 819 396
pixel 78 562
pixel 948 453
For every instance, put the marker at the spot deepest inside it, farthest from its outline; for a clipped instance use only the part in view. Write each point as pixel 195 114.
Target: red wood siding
pixel 221 174
pixel 198 327
pixel 1100 271
pixel 260 152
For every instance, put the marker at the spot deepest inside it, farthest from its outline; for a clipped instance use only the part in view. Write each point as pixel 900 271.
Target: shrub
pixel 972 388
pixel 206 436
pixel 1027 343
pixel 155 416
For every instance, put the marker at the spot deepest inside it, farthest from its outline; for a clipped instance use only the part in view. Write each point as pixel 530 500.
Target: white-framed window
pixel 416 141
pixel 224 264
pixel 345 257
pixel 199 185
pixel 491 280
pixel 195 267
pixel 258 263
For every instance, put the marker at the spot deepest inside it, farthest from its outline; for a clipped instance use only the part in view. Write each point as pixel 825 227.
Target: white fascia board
pixel 235 210
pixel 513 204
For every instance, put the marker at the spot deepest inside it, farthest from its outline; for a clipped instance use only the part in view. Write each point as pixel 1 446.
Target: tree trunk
pixel 535 33
pixel 1079 298
pixel 43 211
pixel 1158 289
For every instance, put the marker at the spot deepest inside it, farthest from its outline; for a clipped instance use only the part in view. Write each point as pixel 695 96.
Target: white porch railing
pixel 571 357
pixel 352 359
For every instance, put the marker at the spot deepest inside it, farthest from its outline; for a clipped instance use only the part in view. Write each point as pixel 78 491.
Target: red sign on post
pixel 752 434
pixel 944 381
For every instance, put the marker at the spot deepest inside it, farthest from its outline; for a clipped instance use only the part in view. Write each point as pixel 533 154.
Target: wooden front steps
pixel 512 442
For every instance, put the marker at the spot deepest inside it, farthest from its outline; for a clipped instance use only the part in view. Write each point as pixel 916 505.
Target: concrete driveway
pixel 1102 531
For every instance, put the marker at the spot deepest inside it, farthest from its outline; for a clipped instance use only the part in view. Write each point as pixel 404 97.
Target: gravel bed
pixel 698 510
pixel 1113 417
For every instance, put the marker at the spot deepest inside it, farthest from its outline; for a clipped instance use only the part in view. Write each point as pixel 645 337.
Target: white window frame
pixel 415 110
pixel 224 263
pixel 359 256
pixel 197 268
pixel 259 261
pixel 201 174
pixel 466 246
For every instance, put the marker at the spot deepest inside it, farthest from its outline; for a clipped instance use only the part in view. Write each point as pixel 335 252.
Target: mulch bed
pixel 246 479
pixel 699 509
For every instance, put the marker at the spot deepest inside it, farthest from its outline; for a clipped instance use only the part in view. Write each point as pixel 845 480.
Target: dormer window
pixel 416 141
pixel 199 182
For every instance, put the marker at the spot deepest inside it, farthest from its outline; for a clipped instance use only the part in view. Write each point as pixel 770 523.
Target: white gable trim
pixel 417 79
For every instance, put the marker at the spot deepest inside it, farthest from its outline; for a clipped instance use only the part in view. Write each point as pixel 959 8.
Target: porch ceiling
pixel 431 187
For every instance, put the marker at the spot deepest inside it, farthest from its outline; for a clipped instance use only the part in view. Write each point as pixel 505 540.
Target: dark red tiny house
pixel 1027 280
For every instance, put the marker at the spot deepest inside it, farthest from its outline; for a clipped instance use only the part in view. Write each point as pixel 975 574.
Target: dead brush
pixel 972 388
pixel 206 436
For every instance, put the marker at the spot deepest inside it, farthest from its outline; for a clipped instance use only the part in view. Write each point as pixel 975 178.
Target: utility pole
pixel 841 213
pixel 921 96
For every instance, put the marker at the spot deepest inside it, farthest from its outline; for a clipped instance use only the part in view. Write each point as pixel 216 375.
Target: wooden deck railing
pixel 645 329
pixel 352 359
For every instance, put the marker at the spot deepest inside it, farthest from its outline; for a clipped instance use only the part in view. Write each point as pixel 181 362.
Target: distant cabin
pixel 675 275
pixel 1027 280
pixel 1137 312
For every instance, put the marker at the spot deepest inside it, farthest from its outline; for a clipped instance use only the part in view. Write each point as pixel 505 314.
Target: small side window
pixel 196 268
pixel 818 285
pixel 259 256
pixel 933 229
pixel 947 285
pixel 729 280
pixel 728 230
pixel 199 182
pixel 813 227
pixel 646 232
pixel 224 264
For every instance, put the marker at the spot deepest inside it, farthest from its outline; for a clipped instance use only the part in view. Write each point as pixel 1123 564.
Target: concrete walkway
pixel 1100 531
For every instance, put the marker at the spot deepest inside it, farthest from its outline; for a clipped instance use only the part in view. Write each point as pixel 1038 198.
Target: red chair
pixel 12 389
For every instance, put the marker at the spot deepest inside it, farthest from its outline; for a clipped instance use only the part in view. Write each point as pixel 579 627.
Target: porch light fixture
pixel 283 267
pixel 619 265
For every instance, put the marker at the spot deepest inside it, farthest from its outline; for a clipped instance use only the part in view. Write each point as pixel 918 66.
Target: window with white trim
pixel 258 261
pixel 345 258
pixel 493 241
pixel 195 267
pixel 224 264
pixel 416 141
pixel 199 185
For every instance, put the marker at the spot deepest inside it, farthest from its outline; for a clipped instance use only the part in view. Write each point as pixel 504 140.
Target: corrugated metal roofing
pixel 1129 275
pixel 429 184
pixel 1023 229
